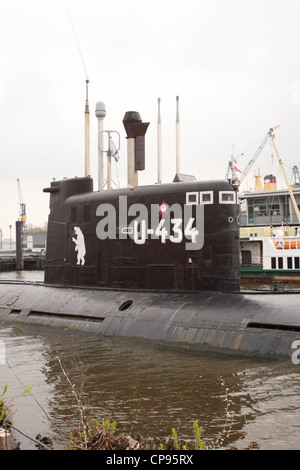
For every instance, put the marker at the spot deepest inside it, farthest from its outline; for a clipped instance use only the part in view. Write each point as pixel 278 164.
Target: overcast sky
pixel 234 64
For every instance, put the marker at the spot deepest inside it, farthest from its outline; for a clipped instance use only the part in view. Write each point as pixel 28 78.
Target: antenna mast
pixel 87 132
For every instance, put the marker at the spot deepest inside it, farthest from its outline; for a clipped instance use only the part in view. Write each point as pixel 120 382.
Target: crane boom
pixel 22 205
pixel 257 153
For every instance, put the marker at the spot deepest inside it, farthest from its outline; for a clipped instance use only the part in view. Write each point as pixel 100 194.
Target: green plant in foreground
pixel 101 436
pixel 199 445
pixel 2 407
pixel 97 435
pixel 175 444
pixel 108 426
pixel 5 408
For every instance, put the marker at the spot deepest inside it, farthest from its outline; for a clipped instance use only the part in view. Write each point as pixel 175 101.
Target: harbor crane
pixel 22 208
pixel 231 166
pixel 295 183
pixel 257 153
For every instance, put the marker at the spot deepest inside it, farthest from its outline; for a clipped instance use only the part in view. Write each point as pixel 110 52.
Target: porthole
pixel 125 305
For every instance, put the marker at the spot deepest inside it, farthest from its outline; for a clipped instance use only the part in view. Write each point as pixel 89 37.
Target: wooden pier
pixel 32 260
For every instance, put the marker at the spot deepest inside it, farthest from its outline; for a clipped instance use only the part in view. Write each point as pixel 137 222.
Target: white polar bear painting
pixel 79 245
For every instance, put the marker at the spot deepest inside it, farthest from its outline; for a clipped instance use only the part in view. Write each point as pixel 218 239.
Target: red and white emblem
pixel 163 208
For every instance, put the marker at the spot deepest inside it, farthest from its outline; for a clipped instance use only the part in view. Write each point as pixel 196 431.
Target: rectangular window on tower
pixel 206 197
pixel 227 197
pixel 192 198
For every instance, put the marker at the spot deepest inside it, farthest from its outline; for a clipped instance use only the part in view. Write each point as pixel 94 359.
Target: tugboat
pixel 156 263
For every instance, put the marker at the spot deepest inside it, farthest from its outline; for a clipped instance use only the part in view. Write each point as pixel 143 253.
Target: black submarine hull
pixel 157 263
pixel 263 324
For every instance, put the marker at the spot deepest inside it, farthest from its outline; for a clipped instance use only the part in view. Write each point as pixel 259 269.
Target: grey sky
pixel 234 64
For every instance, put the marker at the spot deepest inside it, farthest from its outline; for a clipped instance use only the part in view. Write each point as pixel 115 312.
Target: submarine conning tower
pixel 177 237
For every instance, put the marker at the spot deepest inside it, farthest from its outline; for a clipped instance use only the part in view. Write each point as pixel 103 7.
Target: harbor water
pixel 253 403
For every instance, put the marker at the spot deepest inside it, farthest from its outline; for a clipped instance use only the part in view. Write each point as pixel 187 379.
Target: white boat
pixel 271 257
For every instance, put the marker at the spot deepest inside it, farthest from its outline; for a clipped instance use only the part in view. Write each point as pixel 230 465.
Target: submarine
pixel 157 263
